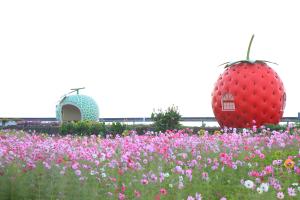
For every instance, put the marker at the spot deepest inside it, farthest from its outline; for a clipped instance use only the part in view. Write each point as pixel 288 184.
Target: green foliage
pixel 141 129
pixel 97 128
pixel 276 127
pixel 100 128
pixel 66 128
pixel 117 128
pixel 91 128
pixel 166 120
pixel 83 128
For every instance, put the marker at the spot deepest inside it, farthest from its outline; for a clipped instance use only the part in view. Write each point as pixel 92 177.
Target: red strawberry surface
pixel 248 91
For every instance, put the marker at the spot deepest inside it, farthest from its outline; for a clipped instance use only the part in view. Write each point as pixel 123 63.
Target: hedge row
pixel 102 129
pixel 83 128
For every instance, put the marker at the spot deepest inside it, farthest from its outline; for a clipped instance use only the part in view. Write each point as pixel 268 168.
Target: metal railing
pixel 140 119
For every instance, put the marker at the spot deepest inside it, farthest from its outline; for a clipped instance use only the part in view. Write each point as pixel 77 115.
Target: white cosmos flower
pixel 94 155
pixel 102 158
pixel 295 184
pixel 102 169
pixel 259 190
pixel 93 172
pixel 249 184
pixel 180 178
pixel 265 187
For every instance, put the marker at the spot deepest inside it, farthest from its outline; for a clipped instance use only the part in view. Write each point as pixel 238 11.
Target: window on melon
pixel 227 102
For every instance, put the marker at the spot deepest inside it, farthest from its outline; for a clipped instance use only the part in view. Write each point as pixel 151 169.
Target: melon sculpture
pixel 77 107
pixel 248 92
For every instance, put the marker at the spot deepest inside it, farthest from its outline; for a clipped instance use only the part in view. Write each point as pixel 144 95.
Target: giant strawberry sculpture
pixel 248 91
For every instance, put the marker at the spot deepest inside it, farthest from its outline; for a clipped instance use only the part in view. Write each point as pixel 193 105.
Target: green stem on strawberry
pixel 229 64
pixel 249 47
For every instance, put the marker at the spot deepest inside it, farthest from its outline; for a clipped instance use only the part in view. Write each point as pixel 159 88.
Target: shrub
pixel 166 120
pixel 117 128
pixel 141 129
pixel 66 128
pixel 97 128
pixel 83 128
pixel 276 127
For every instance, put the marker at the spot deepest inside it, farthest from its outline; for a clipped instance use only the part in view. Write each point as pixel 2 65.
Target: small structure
pixel 228 102
pixel 76 107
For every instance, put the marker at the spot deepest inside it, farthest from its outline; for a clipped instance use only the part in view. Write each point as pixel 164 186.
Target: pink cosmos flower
pixel 184 155
pixel 77 172
pixel 277 186
pixel 163 191
pixel 121 196
pixel 280 195
pixel 153 177
pixel 198 196
pixel 178 170
pixel 258 180
pixel 291 192
pixel 262 156
pixel 269 169
pixel 297 170
pixel 113 179
pixel 47 166
pixel 254 173
pixel 109 193
pixel 188 173
pixel 161 177
pixel 97 162
pixel 205 176
pixel 75 166
pixel 180 185
pixel 123 188
pixel 157 197
pixel 137 194
pixel 209 161
pixel 144 181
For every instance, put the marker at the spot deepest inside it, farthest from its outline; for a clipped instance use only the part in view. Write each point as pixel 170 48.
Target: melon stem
pixel 249 47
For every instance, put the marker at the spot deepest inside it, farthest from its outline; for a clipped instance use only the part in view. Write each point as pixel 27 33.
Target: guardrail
pixel 141 119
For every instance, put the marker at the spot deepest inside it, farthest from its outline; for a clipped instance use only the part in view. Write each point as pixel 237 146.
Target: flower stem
pixel 249 47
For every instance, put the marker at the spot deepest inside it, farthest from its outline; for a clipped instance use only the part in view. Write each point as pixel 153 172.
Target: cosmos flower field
pixel 229 164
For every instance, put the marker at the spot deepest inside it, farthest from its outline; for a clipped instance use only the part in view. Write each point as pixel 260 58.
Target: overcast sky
pixel 134 56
